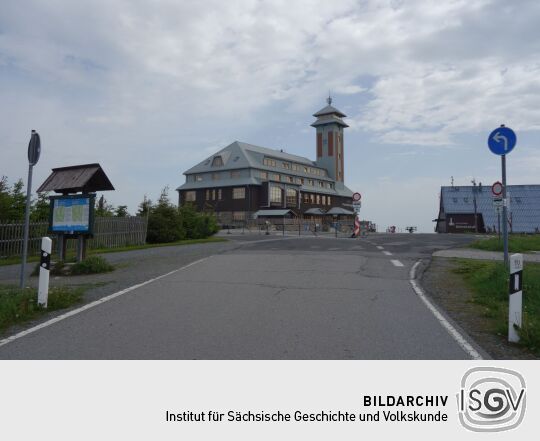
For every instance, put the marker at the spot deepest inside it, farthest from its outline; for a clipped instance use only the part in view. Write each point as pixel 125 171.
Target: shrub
pixel 92 265
pixel 164 223
pixel 197 225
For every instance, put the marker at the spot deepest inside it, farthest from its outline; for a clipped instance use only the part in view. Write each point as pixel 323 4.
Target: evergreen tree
pixel 40 208
pixel 104 209
pixel 144 207
pixel 18 201
pixel 5 199
pixel 121 211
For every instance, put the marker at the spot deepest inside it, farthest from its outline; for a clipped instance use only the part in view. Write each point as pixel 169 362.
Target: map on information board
pixel 71 214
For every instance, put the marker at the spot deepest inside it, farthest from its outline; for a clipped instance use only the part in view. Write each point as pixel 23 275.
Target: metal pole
pixel 504 213
pixel 26 225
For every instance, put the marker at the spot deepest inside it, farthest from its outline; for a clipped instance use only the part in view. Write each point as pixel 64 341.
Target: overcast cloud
pixel 149 88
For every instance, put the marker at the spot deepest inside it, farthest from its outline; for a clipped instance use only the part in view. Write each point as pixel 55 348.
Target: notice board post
pixel 72 212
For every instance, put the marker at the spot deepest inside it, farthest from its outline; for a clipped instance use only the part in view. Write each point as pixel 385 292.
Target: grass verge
pixel 71 255
pixel 488 282
pixel 517 243
pixel 20 305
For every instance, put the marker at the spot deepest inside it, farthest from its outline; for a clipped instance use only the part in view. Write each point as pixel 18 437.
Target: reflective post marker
pixel 44 269
pixel 515 297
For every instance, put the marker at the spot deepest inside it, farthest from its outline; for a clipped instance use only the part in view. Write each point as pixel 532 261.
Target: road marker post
pixel 44 270
pixel 515 297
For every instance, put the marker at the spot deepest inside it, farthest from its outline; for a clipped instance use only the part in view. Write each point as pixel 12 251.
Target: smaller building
pixel 472 209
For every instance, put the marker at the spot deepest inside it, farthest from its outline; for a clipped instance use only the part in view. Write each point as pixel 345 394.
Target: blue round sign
pixel 502 141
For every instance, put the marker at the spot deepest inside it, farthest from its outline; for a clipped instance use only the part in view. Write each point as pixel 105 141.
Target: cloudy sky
pixel 149 88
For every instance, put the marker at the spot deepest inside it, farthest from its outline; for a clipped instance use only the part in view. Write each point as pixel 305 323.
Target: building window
pixel 213 195
pixel 263 175
pixel 295 167
pixel 298 180
pixel 328 201
pixel 330 143
pixel 306 198
pixel 219 195
pixel 311 198
pixel 311 182
pixel 275 194
pixel 239 193
pixel 323 199
pixel 239 216
pixel 190 196
pixel 318 199
pixel 198 178
pixel 291 196
pixel 269 162
pixel 286 165
pixel 217 161
pixel 305 169
pixel 235 174
pixel 276 177
pixel 328 185
pixel 302 181
pixel 207 195
pixel 321 184
pixel 290 179
pixel 215 176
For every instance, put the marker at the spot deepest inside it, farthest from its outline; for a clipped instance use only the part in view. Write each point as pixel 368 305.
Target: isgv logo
pixel 491 399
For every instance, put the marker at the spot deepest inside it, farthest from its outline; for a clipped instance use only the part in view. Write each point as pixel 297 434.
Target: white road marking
pixel 59 318
pixel 388 253
pixel 379 247
pixel 396 263
pixel 461 341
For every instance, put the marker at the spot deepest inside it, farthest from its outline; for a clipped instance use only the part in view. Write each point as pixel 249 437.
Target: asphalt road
pixel 263 298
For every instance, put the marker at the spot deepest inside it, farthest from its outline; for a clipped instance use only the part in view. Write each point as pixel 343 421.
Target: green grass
pixel 71 255
pixel 20 305
pixel 517 243
pixel 488 282
pixel 91 265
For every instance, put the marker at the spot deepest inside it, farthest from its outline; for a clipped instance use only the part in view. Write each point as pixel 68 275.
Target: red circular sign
pixel 356 197
pixel 497 188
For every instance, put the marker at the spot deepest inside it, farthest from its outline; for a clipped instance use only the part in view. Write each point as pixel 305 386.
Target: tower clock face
pixel 356 197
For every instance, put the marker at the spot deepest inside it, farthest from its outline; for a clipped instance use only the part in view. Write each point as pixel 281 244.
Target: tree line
pixel 166 222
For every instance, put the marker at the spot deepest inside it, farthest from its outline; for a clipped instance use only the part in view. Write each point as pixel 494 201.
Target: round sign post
pixel 34 151
pixel 497 188
pixel 502 141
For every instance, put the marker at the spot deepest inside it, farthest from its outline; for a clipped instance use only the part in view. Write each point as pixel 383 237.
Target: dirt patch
pixel 450 293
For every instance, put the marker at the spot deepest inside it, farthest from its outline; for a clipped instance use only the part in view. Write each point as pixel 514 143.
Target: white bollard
pixel 44 268
pixel 515 296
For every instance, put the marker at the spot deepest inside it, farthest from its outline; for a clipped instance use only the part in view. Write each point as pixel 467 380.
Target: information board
pixel 72 214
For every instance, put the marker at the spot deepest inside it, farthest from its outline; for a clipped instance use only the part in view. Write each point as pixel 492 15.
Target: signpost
pixel 34 151
pixel 502 141
pixel 357 204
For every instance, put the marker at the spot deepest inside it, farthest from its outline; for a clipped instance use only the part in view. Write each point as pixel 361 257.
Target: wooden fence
pixel 109 232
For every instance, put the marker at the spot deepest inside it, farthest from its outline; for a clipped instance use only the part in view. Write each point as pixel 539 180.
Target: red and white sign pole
pixel 356 203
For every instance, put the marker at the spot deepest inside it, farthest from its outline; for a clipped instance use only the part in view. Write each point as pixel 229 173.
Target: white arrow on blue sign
pixel 502 141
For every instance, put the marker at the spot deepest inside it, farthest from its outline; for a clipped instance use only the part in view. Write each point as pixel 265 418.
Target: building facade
pixel 472 209
pixel 242 180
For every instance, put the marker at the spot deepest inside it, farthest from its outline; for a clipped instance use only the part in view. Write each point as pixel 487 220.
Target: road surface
pixel 265 298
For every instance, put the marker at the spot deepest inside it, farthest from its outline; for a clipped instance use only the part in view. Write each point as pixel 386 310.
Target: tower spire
pixel 329 99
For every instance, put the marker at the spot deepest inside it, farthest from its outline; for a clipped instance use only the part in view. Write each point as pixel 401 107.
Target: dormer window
pixel 217 161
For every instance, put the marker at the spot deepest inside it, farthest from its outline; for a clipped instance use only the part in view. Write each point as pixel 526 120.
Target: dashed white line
pixel 396 262
pixel 461 341
pixel 379 247
pixel 21 334
pixel 388 253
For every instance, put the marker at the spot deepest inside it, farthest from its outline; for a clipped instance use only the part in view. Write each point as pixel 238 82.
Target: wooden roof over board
pixel 85 178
